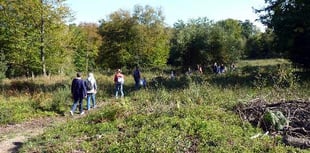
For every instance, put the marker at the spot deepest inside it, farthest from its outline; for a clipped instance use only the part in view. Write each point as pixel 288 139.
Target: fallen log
pixel 296 142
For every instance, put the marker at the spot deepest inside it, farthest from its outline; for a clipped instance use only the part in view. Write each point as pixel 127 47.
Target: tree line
pixel 36 39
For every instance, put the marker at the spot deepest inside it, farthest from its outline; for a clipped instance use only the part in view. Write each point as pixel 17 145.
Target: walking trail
pixel 12 137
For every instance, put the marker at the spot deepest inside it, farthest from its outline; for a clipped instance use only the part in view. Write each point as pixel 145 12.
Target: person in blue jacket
pixel 79 92
pixel 137 76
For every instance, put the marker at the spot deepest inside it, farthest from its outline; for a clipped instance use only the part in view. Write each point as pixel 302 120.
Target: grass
pixel 263 62
pixel 189 114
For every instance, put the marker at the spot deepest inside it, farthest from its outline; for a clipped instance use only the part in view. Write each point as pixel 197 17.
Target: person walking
pixel 91 86
pixel 222 68
pixel 78 91
pixel 137 77
pixel 215 68
pixel 199 68
pixel 119 82
pixel 172 75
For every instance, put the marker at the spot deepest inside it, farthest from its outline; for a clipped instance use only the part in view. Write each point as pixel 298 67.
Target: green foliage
pixel 168 83
pixel 249 29
pixel 274 120
pixel 34 36
pixel 280 76
pixel 17 109
pixel 228 41
pixel 3 66
pixel 56 102
pixel 61 100
pixel 203 42
pixel 133 39
pixel 27 99
pixel 113 113
pixel 86 43
pixel 289 21
pixel 189 42
pixel 262 45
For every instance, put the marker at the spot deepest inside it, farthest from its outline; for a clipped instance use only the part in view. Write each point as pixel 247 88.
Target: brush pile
pixel 291 119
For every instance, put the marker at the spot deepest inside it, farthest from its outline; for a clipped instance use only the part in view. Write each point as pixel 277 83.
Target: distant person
pixel 137 76
pixel 189 71
pixel 119 82
pixel 143 82
pixel 233 67
pixel 215 68
pixel 79 92
pixel 222 68
pixel 91 86
pixel 199 68
pixel 172 75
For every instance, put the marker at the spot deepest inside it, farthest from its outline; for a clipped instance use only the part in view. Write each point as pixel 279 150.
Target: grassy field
pixel 188 114
pixel 263 62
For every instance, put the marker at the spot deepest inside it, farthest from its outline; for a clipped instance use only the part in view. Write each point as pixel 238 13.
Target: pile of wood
pixel 297 112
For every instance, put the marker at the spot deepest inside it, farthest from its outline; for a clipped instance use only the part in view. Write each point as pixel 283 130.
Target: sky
pixel 173 10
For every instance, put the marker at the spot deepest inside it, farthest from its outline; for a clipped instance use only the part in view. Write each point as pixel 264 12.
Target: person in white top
pixel 91 86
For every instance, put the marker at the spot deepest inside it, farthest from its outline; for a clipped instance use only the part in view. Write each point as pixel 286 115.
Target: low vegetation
pixel 189 114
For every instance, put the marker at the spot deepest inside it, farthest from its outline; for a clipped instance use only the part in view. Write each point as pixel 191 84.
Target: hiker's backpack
pixel 89 85
pixel 120 79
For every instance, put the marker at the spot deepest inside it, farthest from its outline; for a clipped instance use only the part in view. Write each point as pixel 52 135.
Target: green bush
pixel 16 110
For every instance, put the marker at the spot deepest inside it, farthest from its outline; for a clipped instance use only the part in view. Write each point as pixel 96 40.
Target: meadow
pixel 191 113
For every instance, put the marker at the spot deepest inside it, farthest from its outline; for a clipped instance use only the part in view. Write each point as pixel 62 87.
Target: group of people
pixel 119 81
pixel 218 69
pixel 81 89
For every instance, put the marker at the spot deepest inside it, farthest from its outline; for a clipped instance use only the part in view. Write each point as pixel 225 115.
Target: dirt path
pixel 12 137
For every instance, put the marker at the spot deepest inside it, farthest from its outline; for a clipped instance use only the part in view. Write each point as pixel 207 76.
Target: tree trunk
pixel 42 43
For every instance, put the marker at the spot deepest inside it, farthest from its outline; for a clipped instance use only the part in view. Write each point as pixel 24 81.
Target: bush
pixel 281 76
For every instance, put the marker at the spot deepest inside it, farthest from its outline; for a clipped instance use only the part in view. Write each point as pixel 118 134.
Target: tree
pixel 16 34
pixel 85 42
pixel 134 39
pixel 289 21
pixel 262 45
pixel 3 66
pixel 117 38
pixel 228 41
pixel 189 42
pixel 34 35
pixel 203 42
pixel 248 29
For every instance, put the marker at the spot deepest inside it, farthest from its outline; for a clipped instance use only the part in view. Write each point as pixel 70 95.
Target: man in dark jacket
pixel 79 92
pixel 137 77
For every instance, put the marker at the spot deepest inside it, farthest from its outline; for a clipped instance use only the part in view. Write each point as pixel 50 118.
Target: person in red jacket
pixel 119 82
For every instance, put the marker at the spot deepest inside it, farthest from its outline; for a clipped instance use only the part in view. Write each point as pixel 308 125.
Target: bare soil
pixel 12 137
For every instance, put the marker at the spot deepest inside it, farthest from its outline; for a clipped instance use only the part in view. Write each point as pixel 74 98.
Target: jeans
pixel 137 83
pixel 92 97
pixel 119 88
pixel 75 103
